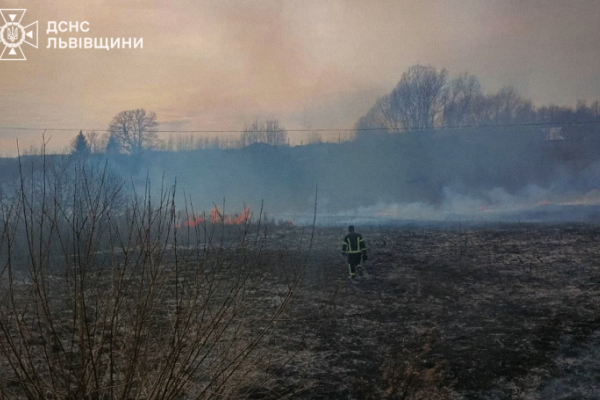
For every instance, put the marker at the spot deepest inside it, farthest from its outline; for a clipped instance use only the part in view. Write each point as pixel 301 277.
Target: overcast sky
pixel 312 64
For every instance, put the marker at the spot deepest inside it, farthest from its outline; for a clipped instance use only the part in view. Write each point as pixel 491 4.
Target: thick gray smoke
pixel 480 175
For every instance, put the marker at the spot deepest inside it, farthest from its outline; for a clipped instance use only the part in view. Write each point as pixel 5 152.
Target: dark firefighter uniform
pixel 355 247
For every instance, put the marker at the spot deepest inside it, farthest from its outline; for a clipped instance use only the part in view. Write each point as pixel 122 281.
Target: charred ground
pixel 478 312
pixel 445 312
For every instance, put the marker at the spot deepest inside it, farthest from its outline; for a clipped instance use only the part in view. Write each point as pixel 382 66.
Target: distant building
pixel 553 133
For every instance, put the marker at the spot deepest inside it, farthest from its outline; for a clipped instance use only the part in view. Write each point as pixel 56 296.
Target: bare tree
pixel 418 97
pixel 94 141
pixel 134 130
pixel 276 135
pixel 269 132
pixel 378 117
pixel 417 102
pixel 462 95
pixel 508 107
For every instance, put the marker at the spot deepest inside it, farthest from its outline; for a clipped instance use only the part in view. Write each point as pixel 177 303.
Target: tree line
pixel 134 131
pixel 424 98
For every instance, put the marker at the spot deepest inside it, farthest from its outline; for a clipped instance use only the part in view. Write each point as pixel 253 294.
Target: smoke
pixel 479 176
pixel 532 203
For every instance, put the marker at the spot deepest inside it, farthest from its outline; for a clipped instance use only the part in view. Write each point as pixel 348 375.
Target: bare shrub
pixel 103 297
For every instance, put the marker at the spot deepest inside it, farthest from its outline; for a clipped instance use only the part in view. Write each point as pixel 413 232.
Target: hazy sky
pixel 312 64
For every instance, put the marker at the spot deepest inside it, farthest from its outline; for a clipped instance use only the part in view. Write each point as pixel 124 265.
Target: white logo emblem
pixel 13 34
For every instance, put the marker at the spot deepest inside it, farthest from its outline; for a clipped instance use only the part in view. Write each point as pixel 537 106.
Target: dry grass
pixel 102 297
pixel 449 312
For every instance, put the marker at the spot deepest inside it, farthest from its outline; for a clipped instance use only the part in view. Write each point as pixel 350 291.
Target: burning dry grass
pixel 100 300
pixel 217 217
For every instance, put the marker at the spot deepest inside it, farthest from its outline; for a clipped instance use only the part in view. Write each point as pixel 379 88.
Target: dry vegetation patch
pixel 507 311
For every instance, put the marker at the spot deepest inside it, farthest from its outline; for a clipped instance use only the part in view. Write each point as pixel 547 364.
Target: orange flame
pixel 191 222
pixel 217 217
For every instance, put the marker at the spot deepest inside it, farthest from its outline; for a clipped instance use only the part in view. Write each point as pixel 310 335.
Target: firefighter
pixel 355 248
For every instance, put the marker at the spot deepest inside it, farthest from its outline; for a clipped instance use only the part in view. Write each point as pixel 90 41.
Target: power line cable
pixel 383 129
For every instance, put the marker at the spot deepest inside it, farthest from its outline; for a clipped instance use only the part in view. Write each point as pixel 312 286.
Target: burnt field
pixel 268 312
pixel 485 312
